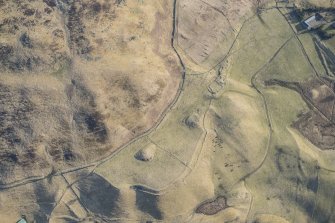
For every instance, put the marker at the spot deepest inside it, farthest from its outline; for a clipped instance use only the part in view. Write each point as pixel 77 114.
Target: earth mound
pixel 146 154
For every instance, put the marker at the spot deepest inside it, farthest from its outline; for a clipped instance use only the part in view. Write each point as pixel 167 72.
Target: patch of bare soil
pixel 318 124
pixel 317 129
pixel 212 207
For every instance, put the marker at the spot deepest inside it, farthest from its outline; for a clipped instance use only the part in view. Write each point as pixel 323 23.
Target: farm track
pixel 96 164
pixel 160 192
pixel 221 60
pixel 165 112
pixel 34 179
pixel 74 193
pixel 264 99
pixel 251 202
pixel 303 50
pixel 254 85
pixel 188 168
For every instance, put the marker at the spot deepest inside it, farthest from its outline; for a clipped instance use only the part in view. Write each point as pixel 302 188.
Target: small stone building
pixel 314 21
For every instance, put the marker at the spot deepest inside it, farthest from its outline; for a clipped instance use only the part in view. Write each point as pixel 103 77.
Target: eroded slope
pixel 79 79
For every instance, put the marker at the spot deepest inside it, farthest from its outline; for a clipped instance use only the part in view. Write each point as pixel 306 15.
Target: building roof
pixel 314 21
pixel 22 220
